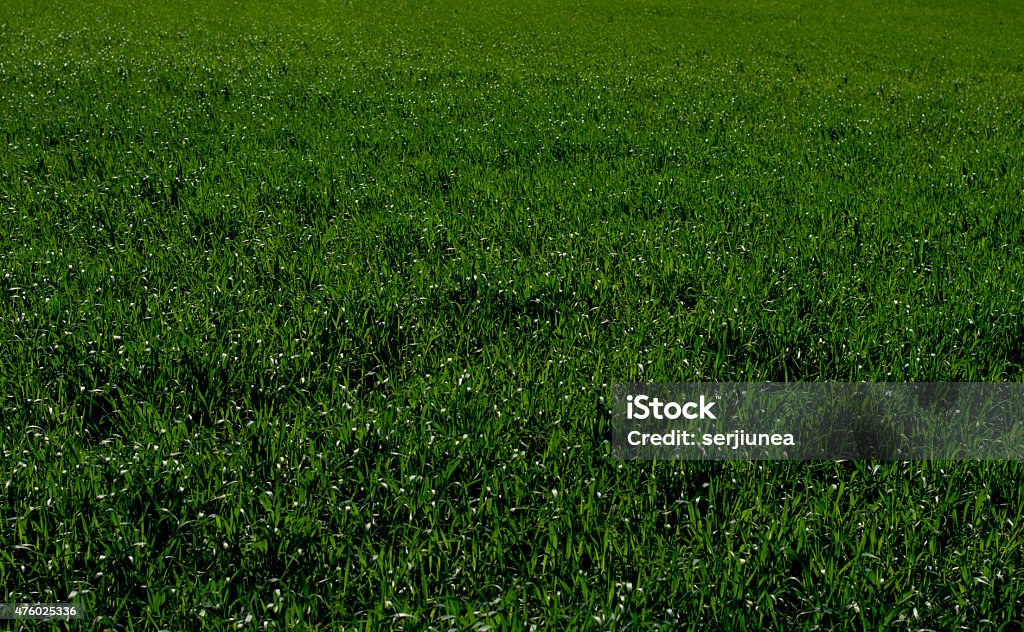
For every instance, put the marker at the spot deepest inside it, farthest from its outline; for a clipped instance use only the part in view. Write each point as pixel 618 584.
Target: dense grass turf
pixel 310 309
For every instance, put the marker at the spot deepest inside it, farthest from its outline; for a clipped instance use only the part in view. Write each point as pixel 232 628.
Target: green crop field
pixel 310 311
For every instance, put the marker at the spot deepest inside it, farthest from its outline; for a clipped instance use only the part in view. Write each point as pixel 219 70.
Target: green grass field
pixel 310 310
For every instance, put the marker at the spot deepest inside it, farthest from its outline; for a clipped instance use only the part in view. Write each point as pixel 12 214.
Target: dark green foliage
pixel 310 309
